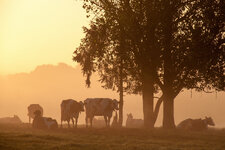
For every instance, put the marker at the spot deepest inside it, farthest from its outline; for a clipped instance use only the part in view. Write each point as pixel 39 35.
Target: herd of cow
pixel 70 110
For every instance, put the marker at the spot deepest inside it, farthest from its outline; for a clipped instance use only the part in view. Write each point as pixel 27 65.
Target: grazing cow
pixel 134 123
pixel 11 120
pixel 196 124
pixel 40 122
pixel 32 108
pixel 70 109
pixel 100 107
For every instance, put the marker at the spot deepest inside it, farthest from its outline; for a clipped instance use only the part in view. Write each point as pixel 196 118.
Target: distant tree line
pixel 147 46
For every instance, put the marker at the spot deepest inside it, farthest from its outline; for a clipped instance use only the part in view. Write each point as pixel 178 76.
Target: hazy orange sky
pixel 34 32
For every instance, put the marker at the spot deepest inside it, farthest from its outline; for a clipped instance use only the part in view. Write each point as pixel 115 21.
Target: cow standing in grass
pixel 100 107
pixel 33 108
pixel 134 123
pixel 196 124
pixel 40 122
pixel 70 110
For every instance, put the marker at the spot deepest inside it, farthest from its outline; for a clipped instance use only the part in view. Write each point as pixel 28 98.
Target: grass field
pixel 23 137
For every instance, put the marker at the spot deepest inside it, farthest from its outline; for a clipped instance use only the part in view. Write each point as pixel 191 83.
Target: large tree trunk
pixel 148 102
pixel 168 113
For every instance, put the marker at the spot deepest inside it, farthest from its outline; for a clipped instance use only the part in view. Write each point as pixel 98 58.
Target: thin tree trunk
pixel 121 88
pixel 157 108
pixel 121 109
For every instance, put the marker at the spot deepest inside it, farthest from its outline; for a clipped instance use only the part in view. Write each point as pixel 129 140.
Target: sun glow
pixel 34 32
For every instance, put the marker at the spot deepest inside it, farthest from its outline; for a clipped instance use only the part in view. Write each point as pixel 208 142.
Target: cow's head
pixel 81 106
pixel 115 104
pixel 209 121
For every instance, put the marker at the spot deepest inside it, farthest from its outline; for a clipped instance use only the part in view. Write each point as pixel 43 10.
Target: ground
pixel 23 137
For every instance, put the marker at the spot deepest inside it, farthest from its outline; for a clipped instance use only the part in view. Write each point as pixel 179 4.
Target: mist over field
pixel 48 85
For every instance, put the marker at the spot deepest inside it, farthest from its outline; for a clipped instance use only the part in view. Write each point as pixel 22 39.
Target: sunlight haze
pixel 34 32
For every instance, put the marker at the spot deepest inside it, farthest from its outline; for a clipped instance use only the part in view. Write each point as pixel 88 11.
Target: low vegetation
pixel 25 138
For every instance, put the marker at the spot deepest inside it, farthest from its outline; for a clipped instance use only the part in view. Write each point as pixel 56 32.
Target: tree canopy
pixel 162 45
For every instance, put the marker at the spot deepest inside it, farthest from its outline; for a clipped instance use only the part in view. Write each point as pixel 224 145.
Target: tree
pixel 140 65
pixel 192 54
pixel 103 51
pixel 167 43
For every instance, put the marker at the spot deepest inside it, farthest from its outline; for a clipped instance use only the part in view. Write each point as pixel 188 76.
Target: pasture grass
pixel 23 137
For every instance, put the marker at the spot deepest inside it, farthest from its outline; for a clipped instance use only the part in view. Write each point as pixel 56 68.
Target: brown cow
pixel 70 110
pixel 196 124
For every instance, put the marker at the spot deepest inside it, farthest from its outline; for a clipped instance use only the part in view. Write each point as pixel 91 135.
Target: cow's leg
pixel 91 119
pixel 29 119
pixel 76 119
pixel 106 122
pixel 86 120
pixel 72 121
pixel 61 123
pixel 68 121
pixel 109 121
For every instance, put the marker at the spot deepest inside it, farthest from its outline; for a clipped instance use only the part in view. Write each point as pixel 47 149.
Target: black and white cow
pixel 70 110
pixel 100 107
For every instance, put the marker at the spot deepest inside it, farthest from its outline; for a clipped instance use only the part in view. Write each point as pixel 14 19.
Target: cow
pixel 196 124
pixel 40 122
pixel 11 120
pixel 100 107
pixel 70 110
pixel 32 108
pixel 134 123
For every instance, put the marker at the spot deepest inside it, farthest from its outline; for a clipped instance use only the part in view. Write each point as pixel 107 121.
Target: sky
pixel 35 32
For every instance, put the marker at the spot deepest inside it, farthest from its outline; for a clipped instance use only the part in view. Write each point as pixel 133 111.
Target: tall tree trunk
pixel 122 48
pixel 121 97
pixel 148 102
pixel 168 113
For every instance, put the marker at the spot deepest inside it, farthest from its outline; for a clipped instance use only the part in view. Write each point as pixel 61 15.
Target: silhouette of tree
pixel 167 45
pixel 103 51
pixel 193 51
pixel 137 61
